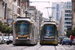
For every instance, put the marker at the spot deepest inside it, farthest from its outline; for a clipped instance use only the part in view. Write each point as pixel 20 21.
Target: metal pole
pixel 5 12
pixel 12 13
pixel 50 18
pixel 26 10
pixel 48 12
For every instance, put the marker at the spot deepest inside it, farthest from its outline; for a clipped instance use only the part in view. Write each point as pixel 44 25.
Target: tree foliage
pixel 4 28
pixel 1 25
pixel 9 30
pixel 70 32
pixel 73 32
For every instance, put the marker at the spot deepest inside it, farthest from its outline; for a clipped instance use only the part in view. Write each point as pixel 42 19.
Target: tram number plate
pixel 22 38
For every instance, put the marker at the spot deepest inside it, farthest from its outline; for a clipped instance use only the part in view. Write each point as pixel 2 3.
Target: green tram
pixel 48 33
pixel 24 31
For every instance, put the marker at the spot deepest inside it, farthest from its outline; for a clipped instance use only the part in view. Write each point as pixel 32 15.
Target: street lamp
pixel 39 1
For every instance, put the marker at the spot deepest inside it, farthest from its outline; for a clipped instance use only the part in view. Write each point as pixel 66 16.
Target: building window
pixel 68 11
pixel 14 0
pixel 69 7
pixel 18 11
pixel 67 18
pixel 67 22
pixel 68 15
pixel 69 3
pixel 67 26
pixel 18 3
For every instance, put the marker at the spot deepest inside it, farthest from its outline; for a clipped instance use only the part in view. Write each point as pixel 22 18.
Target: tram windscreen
pixel 22 28
pixel 49 30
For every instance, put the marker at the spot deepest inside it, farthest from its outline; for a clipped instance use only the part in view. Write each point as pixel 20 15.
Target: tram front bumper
pixel 49 41
pixel 22 41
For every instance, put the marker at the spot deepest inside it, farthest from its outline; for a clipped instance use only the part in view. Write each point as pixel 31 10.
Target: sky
pixel 42 6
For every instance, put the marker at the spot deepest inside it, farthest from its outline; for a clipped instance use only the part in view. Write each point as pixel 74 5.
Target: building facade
pixel 67 12
pixel 66 16
pixel 33 13
pixel 1 10
pixel 73 14
pixel 56 12
pixel 10 10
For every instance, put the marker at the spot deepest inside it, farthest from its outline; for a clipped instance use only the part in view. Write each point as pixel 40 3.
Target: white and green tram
pixel 24 31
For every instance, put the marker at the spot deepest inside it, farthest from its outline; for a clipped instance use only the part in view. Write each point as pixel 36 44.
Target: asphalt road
pixel 37 47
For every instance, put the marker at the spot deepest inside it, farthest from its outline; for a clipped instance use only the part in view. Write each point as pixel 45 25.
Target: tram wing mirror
pixel 41 28
pixel 31 22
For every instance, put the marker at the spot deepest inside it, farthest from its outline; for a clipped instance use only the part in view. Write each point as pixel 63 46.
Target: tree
pixel 69 33
pixel 1 25
pixel 4 28
pixel 73 32
pixel 9 30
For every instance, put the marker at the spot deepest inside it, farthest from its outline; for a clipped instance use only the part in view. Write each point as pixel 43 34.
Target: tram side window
pixel 32 30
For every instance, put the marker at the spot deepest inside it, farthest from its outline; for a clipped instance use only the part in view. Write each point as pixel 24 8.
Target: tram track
pixel 55 47
pixel 38 48
pixel 25 47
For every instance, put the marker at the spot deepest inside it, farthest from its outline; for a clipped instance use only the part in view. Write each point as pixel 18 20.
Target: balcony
pixel 1 0
pixel 9 4
pixel 25 0
pixel 73 0
pixel 15 10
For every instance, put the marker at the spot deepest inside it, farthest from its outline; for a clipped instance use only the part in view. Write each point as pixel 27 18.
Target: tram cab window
pixel 49 30
pixel 22 28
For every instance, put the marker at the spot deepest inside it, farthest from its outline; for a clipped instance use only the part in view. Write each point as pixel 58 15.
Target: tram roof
pixel 25 19
pixel 54 23
pixel 20 19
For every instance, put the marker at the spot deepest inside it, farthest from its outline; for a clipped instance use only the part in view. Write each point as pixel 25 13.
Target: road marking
pixel 68 47
pixel 38 48
pixel 62 47
pixel 55 47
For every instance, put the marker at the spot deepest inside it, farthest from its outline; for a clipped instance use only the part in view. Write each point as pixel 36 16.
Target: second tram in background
pixel 48 34
pixel 24 31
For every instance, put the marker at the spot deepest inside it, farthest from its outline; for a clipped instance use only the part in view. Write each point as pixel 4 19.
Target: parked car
pixel 1 39
pixel 73 42
pixel 67 41
pixel 60 38
pixel 9 40
pixel 5 38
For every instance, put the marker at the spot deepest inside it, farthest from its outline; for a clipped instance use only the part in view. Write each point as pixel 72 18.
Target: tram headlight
pixel 31 22
pixel 55 39
pixel 27 37
pixel 13 22
pixel 50 37
pixel 16 37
